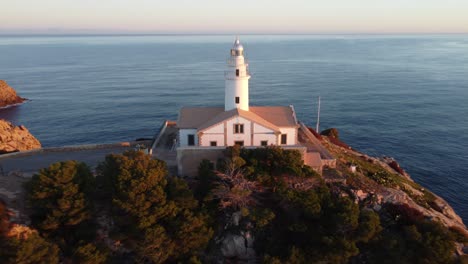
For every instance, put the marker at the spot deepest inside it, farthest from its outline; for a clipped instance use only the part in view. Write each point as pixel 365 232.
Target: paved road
pixel 29 164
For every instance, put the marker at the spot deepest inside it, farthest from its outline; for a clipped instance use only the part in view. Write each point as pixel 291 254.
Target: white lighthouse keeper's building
pixel 237 122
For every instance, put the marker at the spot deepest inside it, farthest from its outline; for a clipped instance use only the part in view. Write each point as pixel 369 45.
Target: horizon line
pixel 9 34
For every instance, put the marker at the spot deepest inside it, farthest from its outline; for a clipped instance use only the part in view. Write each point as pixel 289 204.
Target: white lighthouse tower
pixel 237 77
pixel 214 128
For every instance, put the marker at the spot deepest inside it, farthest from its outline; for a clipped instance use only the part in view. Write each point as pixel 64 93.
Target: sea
pixel 403 96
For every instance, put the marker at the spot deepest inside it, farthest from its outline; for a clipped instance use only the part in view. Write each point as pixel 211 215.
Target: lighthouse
pixel 205 131
pixel 237 77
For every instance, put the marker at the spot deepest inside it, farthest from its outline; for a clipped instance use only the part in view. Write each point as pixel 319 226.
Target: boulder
pixel 8 95
pixel 239 246
pixel 361 195
pixel 16 138
pixel 234 246
pixel 235 218
pixel 331 132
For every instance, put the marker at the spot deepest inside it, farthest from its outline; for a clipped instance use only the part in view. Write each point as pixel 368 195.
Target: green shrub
pixel 34 249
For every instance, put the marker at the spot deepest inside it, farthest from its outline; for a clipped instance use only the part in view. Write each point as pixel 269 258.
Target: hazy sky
pixel 239 17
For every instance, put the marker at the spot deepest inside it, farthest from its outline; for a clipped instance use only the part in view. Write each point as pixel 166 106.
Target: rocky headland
pixel 377 181
pixel 8 95
pixel 374 183
pixel 16 138
pixel 400 213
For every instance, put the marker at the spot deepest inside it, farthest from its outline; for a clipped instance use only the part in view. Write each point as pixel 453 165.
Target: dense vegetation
pixel 307 221
pixel 151 217
pixel 155 215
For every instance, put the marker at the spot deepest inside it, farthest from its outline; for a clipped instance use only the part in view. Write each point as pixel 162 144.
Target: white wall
pixel 292 135
pixel 271 138
pixel 216 133
pixel 183 136
pixel 238 87
pixel 246 136
pixel 262 133
pixel 261 129
pixel 217 129
pixel 205 139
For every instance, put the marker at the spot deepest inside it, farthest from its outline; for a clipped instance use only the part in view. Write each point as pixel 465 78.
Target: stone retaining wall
pixel 75 148
pixel 189 158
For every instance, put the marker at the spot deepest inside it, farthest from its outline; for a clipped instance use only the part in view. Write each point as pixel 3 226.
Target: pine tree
pixel 89 254
pixel 59 197
pixel 136 184
pixel 160 209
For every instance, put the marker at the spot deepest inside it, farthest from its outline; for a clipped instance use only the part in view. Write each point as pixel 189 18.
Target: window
pixel 284 139
pixel 237 99
pixel 238 128
pixel 264 143
pixel 237 72
pixel 240 143
pixel 191 140
pixel 213 143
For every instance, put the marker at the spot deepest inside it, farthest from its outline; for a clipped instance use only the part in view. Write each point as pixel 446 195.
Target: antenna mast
pixel 318 117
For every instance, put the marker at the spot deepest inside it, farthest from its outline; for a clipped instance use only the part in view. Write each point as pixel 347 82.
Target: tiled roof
pixel 194 117
pixel 281 116
pixel 201 118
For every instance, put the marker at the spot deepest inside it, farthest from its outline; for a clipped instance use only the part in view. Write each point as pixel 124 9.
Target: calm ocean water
pixel 400 96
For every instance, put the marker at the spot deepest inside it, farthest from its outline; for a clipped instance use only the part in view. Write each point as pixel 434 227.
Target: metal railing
pixel 158 136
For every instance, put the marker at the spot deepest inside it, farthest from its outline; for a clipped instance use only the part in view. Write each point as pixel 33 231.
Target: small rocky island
pixel 8 95
pixel 16 138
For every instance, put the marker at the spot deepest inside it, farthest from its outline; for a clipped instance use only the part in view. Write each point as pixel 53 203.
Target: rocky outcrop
pixel 403 190
pixel 16 138
pixel 236 242
pixel 236 246
pixel 8 95
pixel 331 132
pixel 334 136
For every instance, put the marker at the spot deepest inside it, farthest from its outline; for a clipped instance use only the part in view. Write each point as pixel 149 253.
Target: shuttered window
pixel 238 128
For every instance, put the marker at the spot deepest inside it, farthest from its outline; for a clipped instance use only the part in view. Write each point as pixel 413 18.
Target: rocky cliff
pixel 8 95
pixel 381 180
pixel 16 138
